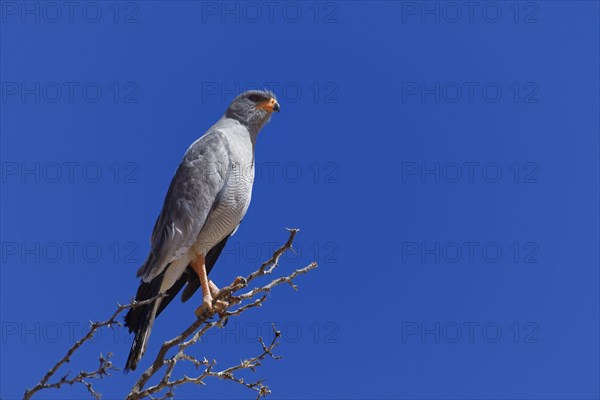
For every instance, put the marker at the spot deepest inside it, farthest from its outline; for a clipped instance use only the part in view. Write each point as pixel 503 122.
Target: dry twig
pixel 82 377
pixel 190 336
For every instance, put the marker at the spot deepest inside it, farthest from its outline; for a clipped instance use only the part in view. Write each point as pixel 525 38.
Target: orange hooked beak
pixel 269 105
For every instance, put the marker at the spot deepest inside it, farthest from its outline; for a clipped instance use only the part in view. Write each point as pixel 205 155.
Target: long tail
pixel 139 320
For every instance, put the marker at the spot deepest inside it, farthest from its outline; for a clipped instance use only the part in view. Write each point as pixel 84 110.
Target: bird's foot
pixel 214 289
pixel 221 306
pixel 240 280
pixel 207 306
pixel 237 284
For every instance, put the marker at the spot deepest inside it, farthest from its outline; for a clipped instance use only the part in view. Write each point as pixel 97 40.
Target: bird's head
pixel 253 108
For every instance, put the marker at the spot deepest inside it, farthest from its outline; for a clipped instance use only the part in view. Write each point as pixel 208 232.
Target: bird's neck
pixel 252 127
pixel 250 131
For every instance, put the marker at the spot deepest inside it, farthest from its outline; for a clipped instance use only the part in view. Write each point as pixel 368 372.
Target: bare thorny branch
pixel 105 364
pixel 189 337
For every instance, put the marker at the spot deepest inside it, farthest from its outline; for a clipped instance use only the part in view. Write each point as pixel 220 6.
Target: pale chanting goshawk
pixel 206 201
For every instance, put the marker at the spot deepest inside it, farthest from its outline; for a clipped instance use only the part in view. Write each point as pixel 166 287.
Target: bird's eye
pixel 254 97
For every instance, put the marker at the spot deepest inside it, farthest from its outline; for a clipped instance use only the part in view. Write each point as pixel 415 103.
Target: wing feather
pixel 197 183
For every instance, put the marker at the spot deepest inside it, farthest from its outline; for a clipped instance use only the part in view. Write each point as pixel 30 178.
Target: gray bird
pixel 206 201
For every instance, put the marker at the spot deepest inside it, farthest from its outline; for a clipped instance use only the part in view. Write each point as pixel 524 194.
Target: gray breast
pixel 234 199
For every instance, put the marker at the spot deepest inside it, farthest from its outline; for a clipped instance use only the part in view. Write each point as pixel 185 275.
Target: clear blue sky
pixel 441 160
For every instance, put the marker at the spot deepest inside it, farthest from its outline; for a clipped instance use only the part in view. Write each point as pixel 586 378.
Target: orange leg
pixel 199 266
pixel 209 289
pixel 213 288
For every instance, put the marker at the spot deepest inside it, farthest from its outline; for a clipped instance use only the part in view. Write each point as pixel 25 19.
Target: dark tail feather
pixel 139 344
pixel 139 320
